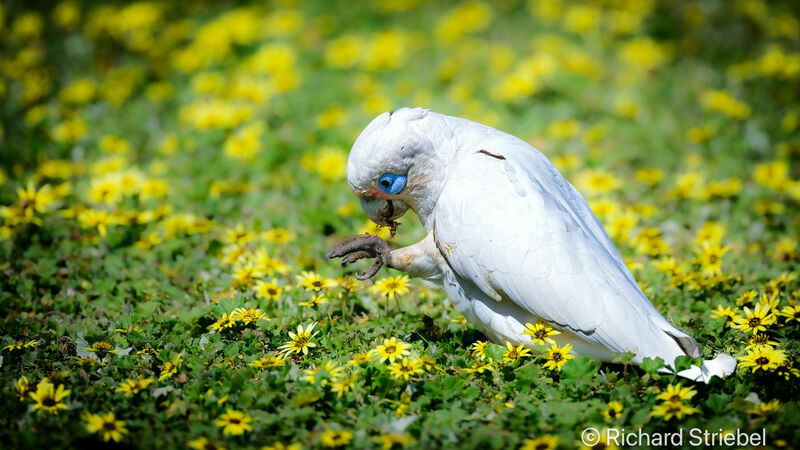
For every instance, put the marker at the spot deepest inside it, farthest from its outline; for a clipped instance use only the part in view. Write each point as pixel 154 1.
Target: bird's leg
pixel 359 247
pixel 422 259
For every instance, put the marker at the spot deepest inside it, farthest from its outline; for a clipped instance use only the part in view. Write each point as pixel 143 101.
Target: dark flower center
pixel 49 402
pixel 234 421
pixel 109 426
pixel 762 361
pixel 754 322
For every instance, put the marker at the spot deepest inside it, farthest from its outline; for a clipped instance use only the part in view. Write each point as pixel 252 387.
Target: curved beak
pixel 384 212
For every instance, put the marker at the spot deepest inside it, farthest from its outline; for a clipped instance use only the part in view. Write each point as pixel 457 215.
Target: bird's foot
pixel 359 247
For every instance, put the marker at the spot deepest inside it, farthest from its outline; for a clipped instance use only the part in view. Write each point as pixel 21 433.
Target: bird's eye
pixel 392 183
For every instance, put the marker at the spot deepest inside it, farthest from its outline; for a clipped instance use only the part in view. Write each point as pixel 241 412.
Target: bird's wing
pixel 509 222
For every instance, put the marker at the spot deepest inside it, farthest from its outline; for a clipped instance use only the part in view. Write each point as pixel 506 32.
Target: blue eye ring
pixel 392 183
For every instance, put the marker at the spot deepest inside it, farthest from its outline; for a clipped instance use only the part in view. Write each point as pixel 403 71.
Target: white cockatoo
pixel 511 241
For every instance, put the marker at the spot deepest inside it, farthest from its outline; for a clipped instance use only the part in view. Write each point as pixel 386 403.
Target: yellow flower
pixel 223 323
pixel 203 443
pixel 343 385
pixel 244 274
pixel 314 301
pixel 644 54
pixel 710 257
pixel 729 314
pixel 374 229
pixel 93 218
pixel 170 368
pixel 323 373
pixel 540 333
pixel 597 181
pixel 234 422
pixel 725 103
pixel 676 394
pixel 766 359
pixel 281 446
pixel 757 319
pixel 330 164
pixel 114 144
pixel 791 313
pixel 649 176
pixel 268 290
pixel 765 409
pixel 391 349
pixel 268 361
pixel 479 349
pixel 314 282
pixel 481 366
pixel 546 442
pixel 405 368
pixel 333 116
pixel 392 287
pixel 392 440
pixel 711 232
pixel 773 174
pixel 668 410
pixel 335 438
pixel 101 349
pixel 278 236
pixel 760 340
pixel 612 411
pixel 301 341
pixel 701 134
pixel 23 387
pixel 48 398
pixel 746 297
pixel 556 357
pixel 20 345
pixel 342 52
pixel 268 265
pixel 513 354
pixel 466 18
pixel 248 315
pixel 245 143
pixel 106 425
pixel 133 386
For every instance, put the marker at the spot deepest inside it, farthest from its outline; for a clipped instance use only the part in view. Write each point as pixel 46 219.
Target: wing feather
pixel 519 231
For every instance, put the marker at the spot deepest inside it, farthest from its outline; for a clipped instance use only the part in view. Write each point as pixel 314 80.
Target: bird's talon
pixel 359 247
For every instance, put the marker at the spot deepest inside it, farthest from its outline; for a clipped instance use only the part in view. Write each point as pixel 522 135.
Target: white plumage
pixel 509 238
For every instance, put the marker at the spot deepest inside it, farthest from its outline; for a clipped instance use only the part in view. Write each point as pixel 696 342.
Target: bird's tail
pixel 721 366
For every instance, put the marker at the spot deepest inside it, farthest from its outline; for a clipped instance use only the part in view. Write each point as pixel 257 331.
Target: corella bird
pixel 511 241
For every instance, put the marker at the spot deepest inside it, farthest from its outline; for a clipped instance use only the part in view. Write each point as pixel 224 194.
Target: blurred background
pixel 247 110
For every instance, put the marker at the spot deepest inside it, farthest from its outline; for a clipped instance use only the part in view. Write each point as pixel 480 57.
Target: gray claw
pixel 359 247
pixel 353 257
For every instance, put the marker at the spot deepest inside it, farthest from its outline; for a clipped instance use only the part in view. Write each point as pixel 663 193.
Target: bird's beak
pixel 384 212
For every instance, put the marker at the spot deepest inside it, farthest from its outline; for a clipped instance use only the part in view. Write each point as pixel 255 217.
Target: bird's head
pixel 395 165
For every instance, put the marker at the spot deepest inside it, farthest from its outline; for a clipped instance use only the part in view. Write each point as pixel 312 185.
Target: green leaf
pixel 651 365
pixel 581 368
